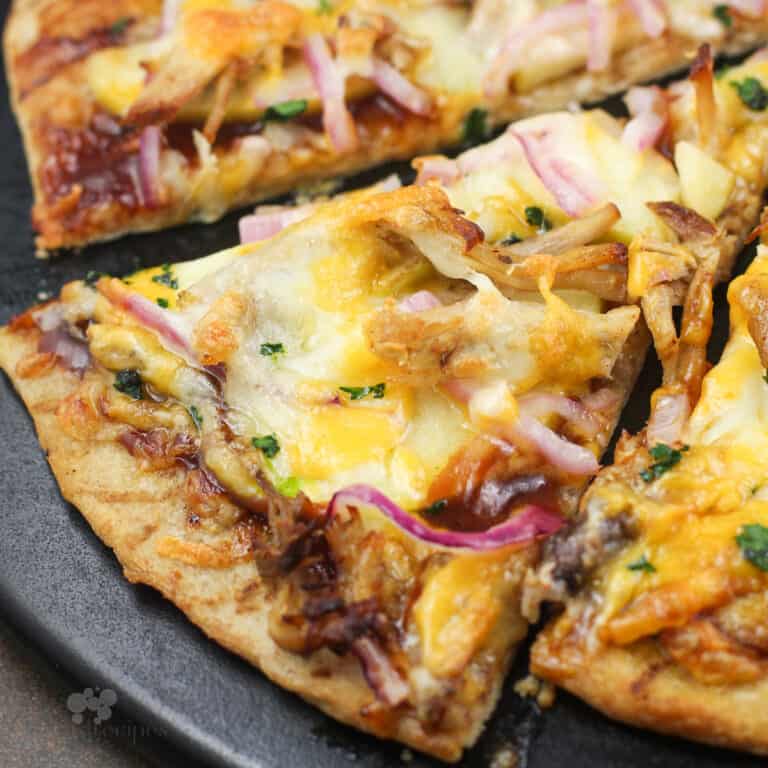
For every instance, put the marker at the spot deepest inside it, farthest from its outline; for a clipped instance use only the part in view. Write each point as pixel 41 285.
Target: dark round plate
pixel 65 590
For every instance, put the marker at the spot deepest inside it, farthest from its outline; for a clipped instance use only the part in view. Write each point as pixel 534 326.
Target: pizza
pixel 664 577
pixel 268 413
pixel 138 114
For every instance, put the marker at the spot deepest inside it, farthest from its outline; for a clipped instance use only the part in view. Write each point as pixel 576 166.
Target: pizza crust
pixel 641 687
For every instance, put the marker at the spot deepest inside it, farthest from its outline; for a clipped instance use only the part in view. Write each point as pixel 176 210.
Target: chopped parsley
pixel 119 26
pixel 267 444
pixel 161 302
pixel 128 381
pixel 324 7
pixel 475 127
pixel 436 507
pixel 197 417
pixel 536 218
pixel 723 14
pixel 358 393
pixel 92 277
pixel 166 277
pixel 753 542
pixel 665 458
pixel 642 564
pixel 286 110
pixel 511 240
pixel 289 486
pixel 752 93
pixel 269 349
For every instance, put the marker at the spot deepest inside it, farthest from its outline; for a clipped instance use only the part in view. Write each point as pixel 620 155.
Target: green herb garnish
pixel 753 542
pixel 128 381
pixel 436 507
pixel 665 458
pixel 752 93
pixel 286 110
pixel 92 277
pixel 358 393
pixel 723 14
pixel 324 7
pixel 166 277
pixel 642 564
pixel 269 349
pixel 197 417
pixel 267 444
pixel 289 486
pixel 536 218
pixel 475 127
pixel 161 302
pixel 119 26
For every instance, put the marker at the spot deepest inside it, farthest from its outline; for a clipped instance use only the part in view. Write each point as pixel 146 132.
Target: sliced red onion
pixel 267 220
pixel 149 166
pixel 650 113
pixel 420 301
pixel 170 15
pixel 497 152
pixel 651 14
pixel 670 413
pixel 530 523
pixel 388 184
pixel 49 317
pixel 574 192
pixel 758 56
pixel 69 351
pixel 752 9
pixel 164 321
pixel 603 20
pixel 379 672
pixel 400 89
pixel 512 54
pixel 329 81
pixel 437 167
pixel 602 400
pixel 567 456
pixel 539 404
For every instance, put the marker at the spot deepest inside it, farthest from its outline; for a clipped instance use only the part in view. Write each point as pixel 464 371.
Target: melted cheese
pixel 689 518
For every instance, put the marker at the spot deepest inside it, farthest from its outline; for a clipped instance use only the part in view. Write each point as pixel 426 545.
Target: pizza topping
pixel 603 19
pixel 400 89
pixel 651 15
pixel 526 525
pixel 128 381
pixel 664 459
pixel 723 14
pixel 267 444
pixel 650 114
pixel 68 349
pixel 752 93
pixel 642 564
pixel 753 542
pixel 358 393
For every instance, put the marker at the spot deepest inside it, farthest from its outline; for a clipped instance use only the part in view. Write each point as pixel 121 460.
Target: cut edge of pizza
pixel 137 117
pixel 663 578
pixel 281 399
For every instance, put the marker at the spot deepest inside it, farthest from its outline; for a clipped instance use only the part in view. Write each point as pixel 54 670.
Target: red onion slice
pixel 379 672
pixel 512 54
pixel 539 404
pixel 567 456
pixel 437 167
pixel 400 89
pixel 602 34
pixel 752 9
pixel 420 301
pixel 329 81
pixel 574 192
pixel 69 351
pixel 670 413
pixel 530 523
pixel 149 166
pixel 170 15
pixel 650 114
pixel 651 15
pixel 268 220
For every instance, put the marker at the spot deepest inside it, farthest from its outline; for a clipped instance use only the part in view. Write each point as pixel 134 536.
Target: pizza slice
pixel 664 577
pixel 337 446
pixel 138 115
